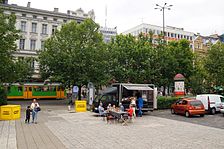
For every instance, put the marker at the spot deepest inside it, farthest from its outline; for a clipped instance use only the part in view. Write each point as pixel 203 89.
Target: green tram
pixel 35 90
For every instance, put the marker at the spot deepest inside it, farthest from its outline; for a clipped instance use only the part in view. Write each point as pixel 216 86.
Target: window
pixel 168 34
pixel 54 28
pixel 32 44
pixel 184 102
pixel 44 28
pixel 222 99
pixel 23 26
pixel 190 37
pixel 34 27
pixel 45 18
pixel 42 45
pixel 178 36
pixel 22 44
pixel 23 15
pixel 64 21
pixel 55 19
pixel 34 17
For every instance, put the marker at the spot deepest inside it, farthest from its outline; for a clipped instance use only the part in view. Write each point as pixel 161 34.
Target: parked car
pixel 222 109
pixel 188 107
pixel 211 102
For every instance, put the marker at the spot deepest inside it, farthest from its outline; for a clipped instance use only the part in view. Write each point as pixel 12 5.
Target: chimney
pixel 56 9
pixel 28 4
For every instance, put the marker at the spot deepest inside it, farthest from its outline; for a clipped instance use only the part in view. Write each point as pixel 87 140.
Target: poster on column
pixel 179 86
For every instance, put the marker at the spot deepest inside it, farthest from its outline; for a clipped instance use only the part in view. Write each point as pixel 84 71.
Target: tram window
pixel 20 89
pixel 30 88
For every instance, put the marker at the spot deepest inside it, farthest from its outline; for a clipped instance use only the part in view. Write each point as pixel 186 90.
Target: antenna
pixel 105 16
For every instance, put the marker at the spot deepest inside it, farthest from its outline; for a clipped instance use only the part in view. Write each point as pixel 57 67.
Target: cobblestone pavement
pixel 57 128
pixel 7 135
pixel 85 131
pixel 216 121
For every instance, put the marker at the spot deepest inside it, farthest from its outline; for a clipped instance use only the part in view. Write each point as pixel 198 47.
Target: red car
pixel 188 107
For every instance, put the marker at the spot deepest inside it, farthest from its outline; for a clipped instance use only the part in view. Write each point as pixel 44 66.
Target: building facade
pixel 37 25
pixel 203 43
pixel 108 33
pixel 171 33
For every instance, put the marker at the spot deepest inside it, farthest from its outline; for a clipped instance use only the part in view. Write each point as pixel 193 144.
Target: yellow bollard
pixel 10 112
pixel 80 106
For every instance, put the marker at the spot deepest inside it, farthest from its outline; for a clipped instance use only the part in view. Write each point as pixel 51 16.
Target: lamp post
pixel 162 8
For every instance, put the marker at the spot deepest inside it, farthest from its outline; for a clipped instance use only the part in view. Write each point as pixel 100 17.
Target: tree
pixel 75 54
pixel 10 68
pixel 214 64
pixel 132 59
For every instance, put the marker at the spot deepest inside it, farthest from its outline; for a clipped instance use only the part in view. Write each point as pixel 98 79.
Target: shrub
pixel 165 102
pixel 3 96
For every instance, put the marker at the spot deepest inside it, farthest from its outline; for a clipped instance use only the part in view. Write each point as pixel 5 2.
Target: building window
pixel 181 36
pixel 34 27
pixel 23 26
pixel 45 18
pixel 168 34
pixel 190 37
pixel 44 28
pixel 178 36
pixel 42 45
pixel 34 17
pixel 32 44
pixel 22 44
pixel 65 21
pixel 54 28
pixel 55 19
pixel 23 15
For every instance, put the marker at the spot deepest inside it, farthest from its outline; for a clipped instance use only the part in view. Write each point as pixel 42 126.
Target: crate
pixel 80 106
pixel 10 112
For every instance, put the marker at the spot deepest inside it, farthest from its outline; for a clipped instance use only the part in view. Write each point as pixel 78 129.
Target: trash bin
pixel 80 106
pixel 10 112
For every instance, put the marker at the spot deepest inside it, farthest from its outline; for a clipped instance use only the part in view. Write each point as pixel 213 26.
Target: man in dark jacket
pixel 140 105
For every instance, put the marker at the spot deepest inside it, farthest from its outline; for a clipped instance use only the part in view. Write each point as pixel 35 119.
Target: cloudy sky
pixel 198 16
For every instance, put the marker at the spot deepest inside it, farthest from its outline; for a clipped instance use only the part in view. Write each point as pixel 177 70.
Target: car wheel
pixel 172 111
pixel 202 115
pixel 187 114
pixel 213 111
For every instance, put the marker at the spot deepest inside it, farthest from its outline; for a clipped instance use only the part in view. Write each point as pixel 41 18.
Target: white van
pixel 211 102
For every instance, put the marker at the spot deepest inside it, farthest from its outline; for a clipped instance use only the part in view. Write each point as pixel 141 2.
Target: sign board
pixel 75 89
pixel 80 106
pixel 179 88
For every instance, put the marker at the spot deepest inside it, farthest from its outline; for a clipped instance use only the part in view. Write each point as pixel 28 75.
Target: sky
pixel 199 16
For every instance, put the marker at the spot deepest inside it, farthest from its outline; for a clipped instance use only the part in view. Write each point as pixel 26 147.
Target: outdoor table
pixel 120 115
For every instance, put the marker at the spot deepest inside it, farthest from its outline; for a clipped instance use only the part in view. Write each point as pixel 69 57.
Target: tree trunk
pixel 79 93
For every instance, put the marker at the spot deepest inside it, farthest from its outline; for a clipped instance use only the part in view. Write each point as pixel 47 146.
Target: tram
pixel 35 90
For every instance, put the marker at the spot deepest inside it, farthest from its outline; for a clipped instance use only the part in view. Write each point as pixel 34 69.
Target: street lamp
pixel 162 8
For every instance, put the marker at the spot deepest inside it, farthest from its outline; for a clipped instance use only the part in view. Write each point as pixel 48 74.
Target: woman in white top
pixel 34 106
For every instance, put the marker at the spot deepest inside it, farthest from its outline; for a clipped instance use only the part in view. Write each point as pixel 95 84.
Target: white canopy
pixel 138 87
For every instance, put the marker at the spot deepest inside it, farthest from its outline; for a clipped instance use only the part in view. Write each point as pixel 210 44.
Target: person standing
pixel 140 105
pixel 133 105
pixel 34 107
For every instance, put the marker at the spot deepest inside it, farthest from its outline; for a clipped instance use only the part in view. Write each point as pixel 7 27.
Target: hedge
pixel 3 97
pixel 165 102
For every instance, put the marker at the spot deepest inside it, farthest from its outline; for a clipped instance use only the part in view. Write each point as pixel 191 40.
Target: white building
pixel 108 33
pixel 37 25
pixel 171 33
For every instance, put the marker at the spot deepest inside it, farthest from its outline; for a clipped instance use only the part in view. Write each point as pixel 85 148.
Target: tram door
pixel 60 92
pixel 28 92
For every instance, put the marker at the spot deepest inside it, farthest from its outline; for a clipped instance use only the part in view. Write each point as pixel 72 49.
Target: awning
pixel 110 90
pixel 138 87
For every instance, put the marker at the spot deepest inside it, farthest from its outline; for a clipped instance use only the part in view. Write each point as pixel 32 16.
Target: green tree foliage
pixel 214 64
pixel 132 59
pixel 198 80
pixel 75 54
pixel 10 69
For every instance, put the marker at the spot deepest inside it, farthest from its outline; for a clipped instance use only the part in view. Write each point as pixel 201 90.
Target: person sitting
pixel 109 107
pixel 121 107
pixel 101 109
